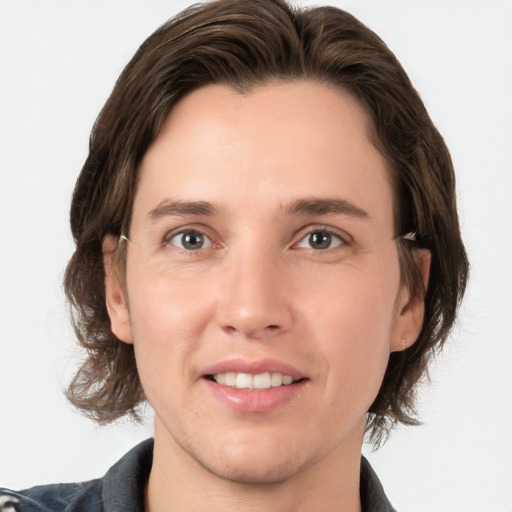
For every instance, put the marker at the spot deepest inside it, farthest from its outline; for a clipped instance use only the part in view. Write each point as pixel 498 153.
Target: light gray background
pixel 59 61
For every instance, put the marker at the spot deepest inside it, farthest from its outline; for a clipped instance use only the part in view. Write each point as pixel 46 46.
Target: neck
pixel 178 482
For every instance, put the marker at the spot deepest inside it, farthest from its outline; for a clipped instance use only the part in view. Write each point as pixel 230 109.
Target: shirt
pixel 122 489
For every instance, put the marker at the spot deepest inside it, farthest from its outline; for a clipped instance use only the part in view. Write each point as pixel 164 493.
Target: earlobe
pixel 411 307
pixel 115 299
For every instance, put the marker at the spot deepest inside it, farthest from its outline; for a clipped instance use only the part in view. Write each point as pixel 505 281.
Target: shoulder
pixel 85 496
pixel 122 488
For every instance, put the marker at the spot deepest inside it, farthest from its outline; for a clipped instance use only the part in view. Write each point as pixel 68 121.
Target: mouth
pixel 248 381
pixel 255 386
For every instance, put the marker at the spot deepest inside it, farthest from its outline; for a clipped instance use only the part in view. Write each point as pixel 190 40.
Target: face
pixel 262 292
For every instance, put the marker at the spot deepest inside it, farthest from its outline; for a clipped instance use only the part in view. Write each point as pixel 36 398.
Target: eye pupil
pixel 192 240
pixel 320 240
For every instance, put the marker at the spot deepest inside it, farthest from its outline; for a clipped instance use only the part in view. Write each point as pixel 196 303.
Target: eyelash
pixel 343 239
pixel 325 232
pixel 188 231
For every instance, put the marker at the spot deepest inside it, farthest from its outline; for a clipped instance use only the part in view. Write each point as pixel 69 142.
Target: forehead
pixel 267 147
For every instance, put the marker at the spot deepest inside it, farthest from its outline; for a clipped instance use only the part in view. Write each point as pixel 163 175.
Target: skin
pixel 257 290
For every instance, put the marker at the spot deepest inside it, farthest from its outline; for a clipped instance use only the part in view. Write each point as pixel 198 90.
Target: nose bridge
pixel 254 302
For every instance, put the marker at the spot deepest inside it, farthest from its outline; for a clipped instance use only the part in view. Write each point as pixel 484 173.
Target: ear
pixel 410 309
pixel 117 305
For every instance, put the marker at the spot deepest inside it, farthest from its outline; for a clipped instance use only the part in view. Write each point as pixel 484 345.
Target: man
pixel 267 251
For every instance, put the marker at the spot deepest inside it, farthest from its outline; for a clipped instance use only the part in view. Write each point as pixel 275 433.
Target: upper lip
pixel 254 367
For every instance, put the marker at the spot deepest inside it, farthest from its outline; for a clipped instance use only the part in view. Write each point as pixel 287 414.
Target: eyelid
pixel 207 241
pixel 298 236
pixel 345 237
pixel 201 229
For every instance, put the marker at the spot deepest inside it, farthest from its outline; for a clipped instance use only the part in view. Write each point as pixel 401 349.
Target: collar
pixel 124 483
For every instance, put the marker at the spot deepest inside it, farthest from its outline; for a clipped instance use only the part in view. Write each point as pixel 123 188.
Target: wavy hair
pixel 244 44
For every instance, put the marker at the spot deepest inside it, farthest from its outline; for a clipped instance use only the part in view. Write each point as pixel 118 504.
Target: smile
pixel 265 380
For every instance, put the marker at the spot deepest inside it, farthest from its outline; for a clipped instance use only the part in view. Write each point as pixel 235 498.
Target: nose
pixel 254 300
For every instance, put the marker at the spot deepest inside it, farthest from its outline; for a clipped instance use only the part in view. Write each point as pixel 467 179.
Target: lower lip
pixel 255 400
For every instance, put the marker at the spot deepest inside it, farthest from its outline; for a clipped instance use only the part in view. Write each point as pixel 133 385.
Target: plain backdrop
pixel 58 62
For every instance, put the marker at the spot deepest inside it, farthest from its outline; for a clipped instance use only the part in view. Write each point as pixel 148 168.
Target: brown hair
pixel 243 44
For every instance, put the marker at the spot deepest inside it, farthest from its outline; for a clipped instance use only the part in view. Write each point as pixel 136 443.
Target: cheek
pixel 354 323
pixel 162 303
pixel 356 299
pixel 167 318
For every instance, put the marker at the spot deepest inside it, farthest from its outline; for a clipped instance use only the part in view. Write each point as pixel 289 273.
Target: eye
pixel 190 240
pixel 320 239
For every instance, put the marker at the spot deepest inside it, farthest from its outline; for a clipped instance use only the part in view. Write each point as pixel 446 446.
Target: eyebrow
pixel 314 206
pixel 168 207
pixel 326 207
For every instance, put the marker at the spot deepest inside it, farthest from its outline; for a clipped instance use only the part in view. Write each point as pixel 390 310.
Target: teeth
pixel 244 381
pixel 262 381
pixel 249 381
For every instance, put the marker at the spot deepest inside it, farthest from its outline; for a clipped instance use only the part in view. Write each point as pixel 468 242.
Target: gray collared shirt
pixel 122 490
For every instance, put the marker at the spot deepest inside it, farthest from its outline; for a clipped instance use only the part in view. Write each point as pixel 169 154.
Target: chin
pixel 255 464
pixel 264 473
